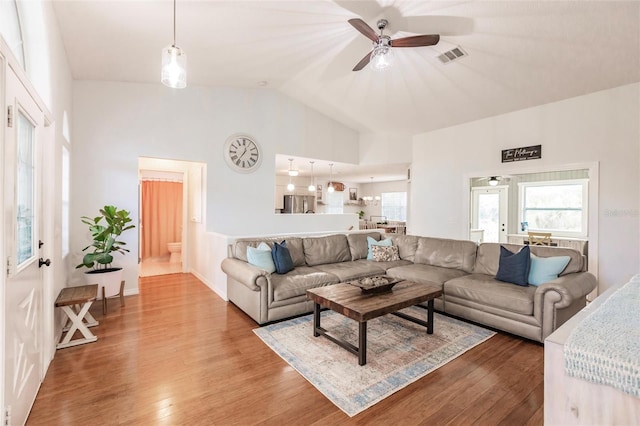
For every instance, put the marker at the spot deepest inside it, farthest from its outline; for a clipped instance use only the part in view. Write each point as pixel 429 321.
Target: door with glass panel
pixel 23 334
pixel 489 214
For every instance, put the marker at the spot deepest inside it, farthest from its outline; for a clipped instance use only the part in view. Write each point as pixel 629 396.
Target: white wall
pixel 116 123
pixel 376 148
pixel 600 127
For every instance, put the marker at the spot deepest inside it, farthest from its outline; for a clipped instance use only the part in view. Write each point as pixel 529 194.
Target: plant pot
pixel 108 278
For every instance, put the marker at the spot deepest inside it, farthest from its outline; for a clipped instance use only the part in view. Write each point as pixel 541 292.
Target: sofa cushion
pixel 358 244
pixel 261 257
pixel 385 254
pixel 514 267
pixel 545 269
pixel 281 257
pixel 297 281
pixel 294 244
pixel 347 271
pixel 425 274
pixel 486 290
pixel 488 257
pixel 371 242
pixel 457 254
pixel 327 249
pixel 407 246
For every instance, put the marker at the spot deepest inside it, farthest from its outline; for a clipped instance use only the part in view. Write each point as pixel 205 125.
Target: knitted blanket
pixel 605 347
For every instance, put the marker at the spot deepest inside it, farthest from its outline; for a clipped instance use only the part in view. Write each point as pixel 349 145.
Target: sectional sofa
pixel 464 270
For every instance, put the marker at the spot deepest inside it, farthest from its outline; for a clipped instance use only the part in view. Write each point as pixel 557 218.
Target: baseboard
pixel 208 284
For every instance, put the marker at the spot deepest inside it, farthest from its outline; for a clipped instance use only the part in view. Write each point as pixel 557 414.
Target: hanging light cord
pixel 174 23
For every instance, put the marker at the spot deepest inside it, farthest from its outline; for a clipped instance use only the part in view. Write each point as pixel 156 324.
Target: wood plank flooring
pixel 177 354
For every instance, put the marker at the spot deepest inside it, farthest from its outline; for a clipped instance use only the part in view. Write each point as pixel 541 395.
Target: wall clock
pixel 242 153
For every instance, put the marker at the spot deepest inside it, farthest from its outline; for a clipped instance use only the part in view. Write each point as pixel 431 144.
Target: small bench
pixel 75 303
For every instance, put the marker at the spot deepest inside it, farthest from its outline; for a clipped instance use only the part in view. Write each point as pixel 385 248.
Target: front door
pixel 489 213
pixel 23 334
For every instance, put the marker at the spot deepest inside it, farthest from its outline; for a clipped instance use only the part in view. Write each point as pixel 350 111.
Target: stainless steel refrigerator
pixel 299 204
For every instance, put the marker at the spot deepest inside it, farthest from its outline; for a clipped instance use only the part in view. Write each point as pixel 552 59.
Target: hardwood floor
pixel 178 354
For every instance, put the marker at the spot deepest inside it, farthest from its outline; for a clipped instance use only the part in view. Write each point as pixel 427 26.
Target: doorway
pixel 489 214
pixel 171 214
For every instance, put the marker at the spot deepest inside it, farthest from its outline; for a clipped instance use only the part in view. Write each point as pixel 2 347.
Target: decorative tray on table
pixel 376 284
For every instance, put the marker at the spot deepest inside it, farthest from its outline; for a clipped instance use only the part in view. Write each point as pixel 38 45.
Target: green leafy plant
pixel 105 237
pixel 361 214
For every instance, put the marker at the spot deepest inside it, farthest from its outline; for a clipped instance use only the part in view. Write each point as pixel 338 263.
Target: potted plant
pixel 361 215
pixel 105 244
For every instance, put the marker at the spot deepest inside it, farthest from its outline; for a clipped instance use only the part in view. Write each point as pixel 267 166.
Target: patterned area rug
pixel 399 352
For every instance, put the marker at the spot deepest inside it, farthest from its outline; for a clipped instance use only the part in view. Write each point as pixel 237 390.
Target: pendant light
pixel 291 186
pixel 369 199
pixel 174 62
pixel 312 186
pixel 330 188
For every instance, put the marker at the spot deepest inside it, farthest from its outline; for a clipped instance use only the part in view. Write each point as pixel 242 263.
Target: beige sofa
pixel 464 270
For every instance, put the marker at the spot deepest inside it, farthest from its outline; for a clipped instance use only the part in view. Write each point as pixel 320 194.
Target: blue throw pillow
pixel 545 269
pixel 282 258
pixel 514 267
pixel 372 242
pixel 261 257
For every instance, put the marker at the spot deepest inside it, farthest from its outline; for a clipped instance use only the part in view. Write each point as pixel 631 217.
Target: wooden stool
pixel 120 294
pixel 75 303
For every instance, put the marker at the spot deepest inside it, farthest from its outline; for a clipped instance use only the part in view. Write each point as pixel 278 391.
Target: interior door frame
pixel 49 330
pixel 503 192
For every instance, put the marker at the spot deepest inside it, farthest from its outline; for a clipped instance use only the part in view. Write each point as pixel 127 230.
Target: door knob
pixel 43 262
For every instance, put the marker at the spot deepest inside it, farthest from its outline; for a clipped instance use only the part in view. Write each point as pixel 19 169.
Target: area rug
pixel 399 352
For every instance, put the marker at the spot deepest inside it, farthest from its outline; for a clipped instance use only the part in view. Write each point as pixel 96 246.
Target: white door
pixel 489 213
pixel 24 284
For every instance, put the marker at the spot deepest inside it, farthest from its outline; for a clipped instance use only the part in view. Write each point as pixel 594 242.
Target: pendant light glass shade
pixel 174 67
pixel 330 188
pixel 290 186
pixel 174 62
pixel 312 186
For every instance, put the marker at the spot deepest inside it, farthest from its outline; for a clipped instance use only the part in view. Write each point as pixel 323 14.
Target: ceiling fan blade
pixel 365 29
pixel 416 41
pixel 363 62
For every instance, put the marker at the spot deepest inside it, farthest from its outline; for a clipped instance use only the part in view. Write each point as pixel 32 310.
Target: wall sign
pixel 520 154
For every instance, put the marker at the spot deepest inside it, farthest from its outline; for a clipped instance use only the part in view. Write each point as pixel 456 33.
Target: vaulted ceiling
pixel 520 53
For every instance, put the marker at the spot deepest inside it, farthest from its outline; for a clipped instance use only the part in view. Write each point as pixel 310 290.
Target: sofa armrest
pixel 568 287
pixel 566 293
pixel 245 273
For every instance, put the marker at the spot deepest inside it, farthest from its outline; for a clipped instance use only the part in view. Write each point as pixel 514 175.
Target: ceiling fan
pixel 494 180
pixel 382 44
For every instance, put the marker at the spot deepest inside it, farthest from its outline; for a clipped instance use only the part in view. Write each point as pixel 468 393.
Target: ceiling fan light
pixel 174 67
pixel 381 58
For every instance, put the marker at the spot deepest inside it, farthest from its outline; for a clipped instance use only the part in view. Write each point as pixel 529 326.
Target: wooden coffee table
pixel 351 302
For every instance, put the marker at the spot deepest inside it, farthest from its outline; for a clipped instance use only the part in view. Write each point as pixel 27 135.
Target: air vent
pixel 452 55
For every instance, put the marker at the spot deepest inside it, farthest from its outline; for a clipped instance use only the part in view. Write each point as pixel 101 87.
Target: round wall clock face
pixel 242 153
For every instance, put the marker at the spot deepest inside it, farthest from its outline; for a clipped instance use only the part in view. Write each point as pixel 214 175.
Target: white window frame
pixel 585 206
pixel 405 205
pixel 334 202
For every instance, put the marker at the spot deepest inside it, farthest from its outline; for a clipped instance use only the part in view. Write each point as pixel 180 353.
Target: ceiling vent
pixel 452 55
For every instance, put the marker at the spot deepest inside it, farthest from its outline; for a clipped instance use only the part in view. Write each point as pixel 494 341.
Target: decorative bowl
pixel 375 284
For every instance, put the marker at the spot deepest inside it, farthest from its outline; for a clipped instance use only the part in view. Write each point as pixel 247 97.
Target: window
pixel 559 207
pixel 335 202
pixel 394 205
pixel 65 200
pixel 10 28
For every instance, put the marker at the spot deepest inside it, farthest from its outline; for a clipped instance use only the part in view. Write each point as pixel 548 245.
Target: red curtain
pixel 161 216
